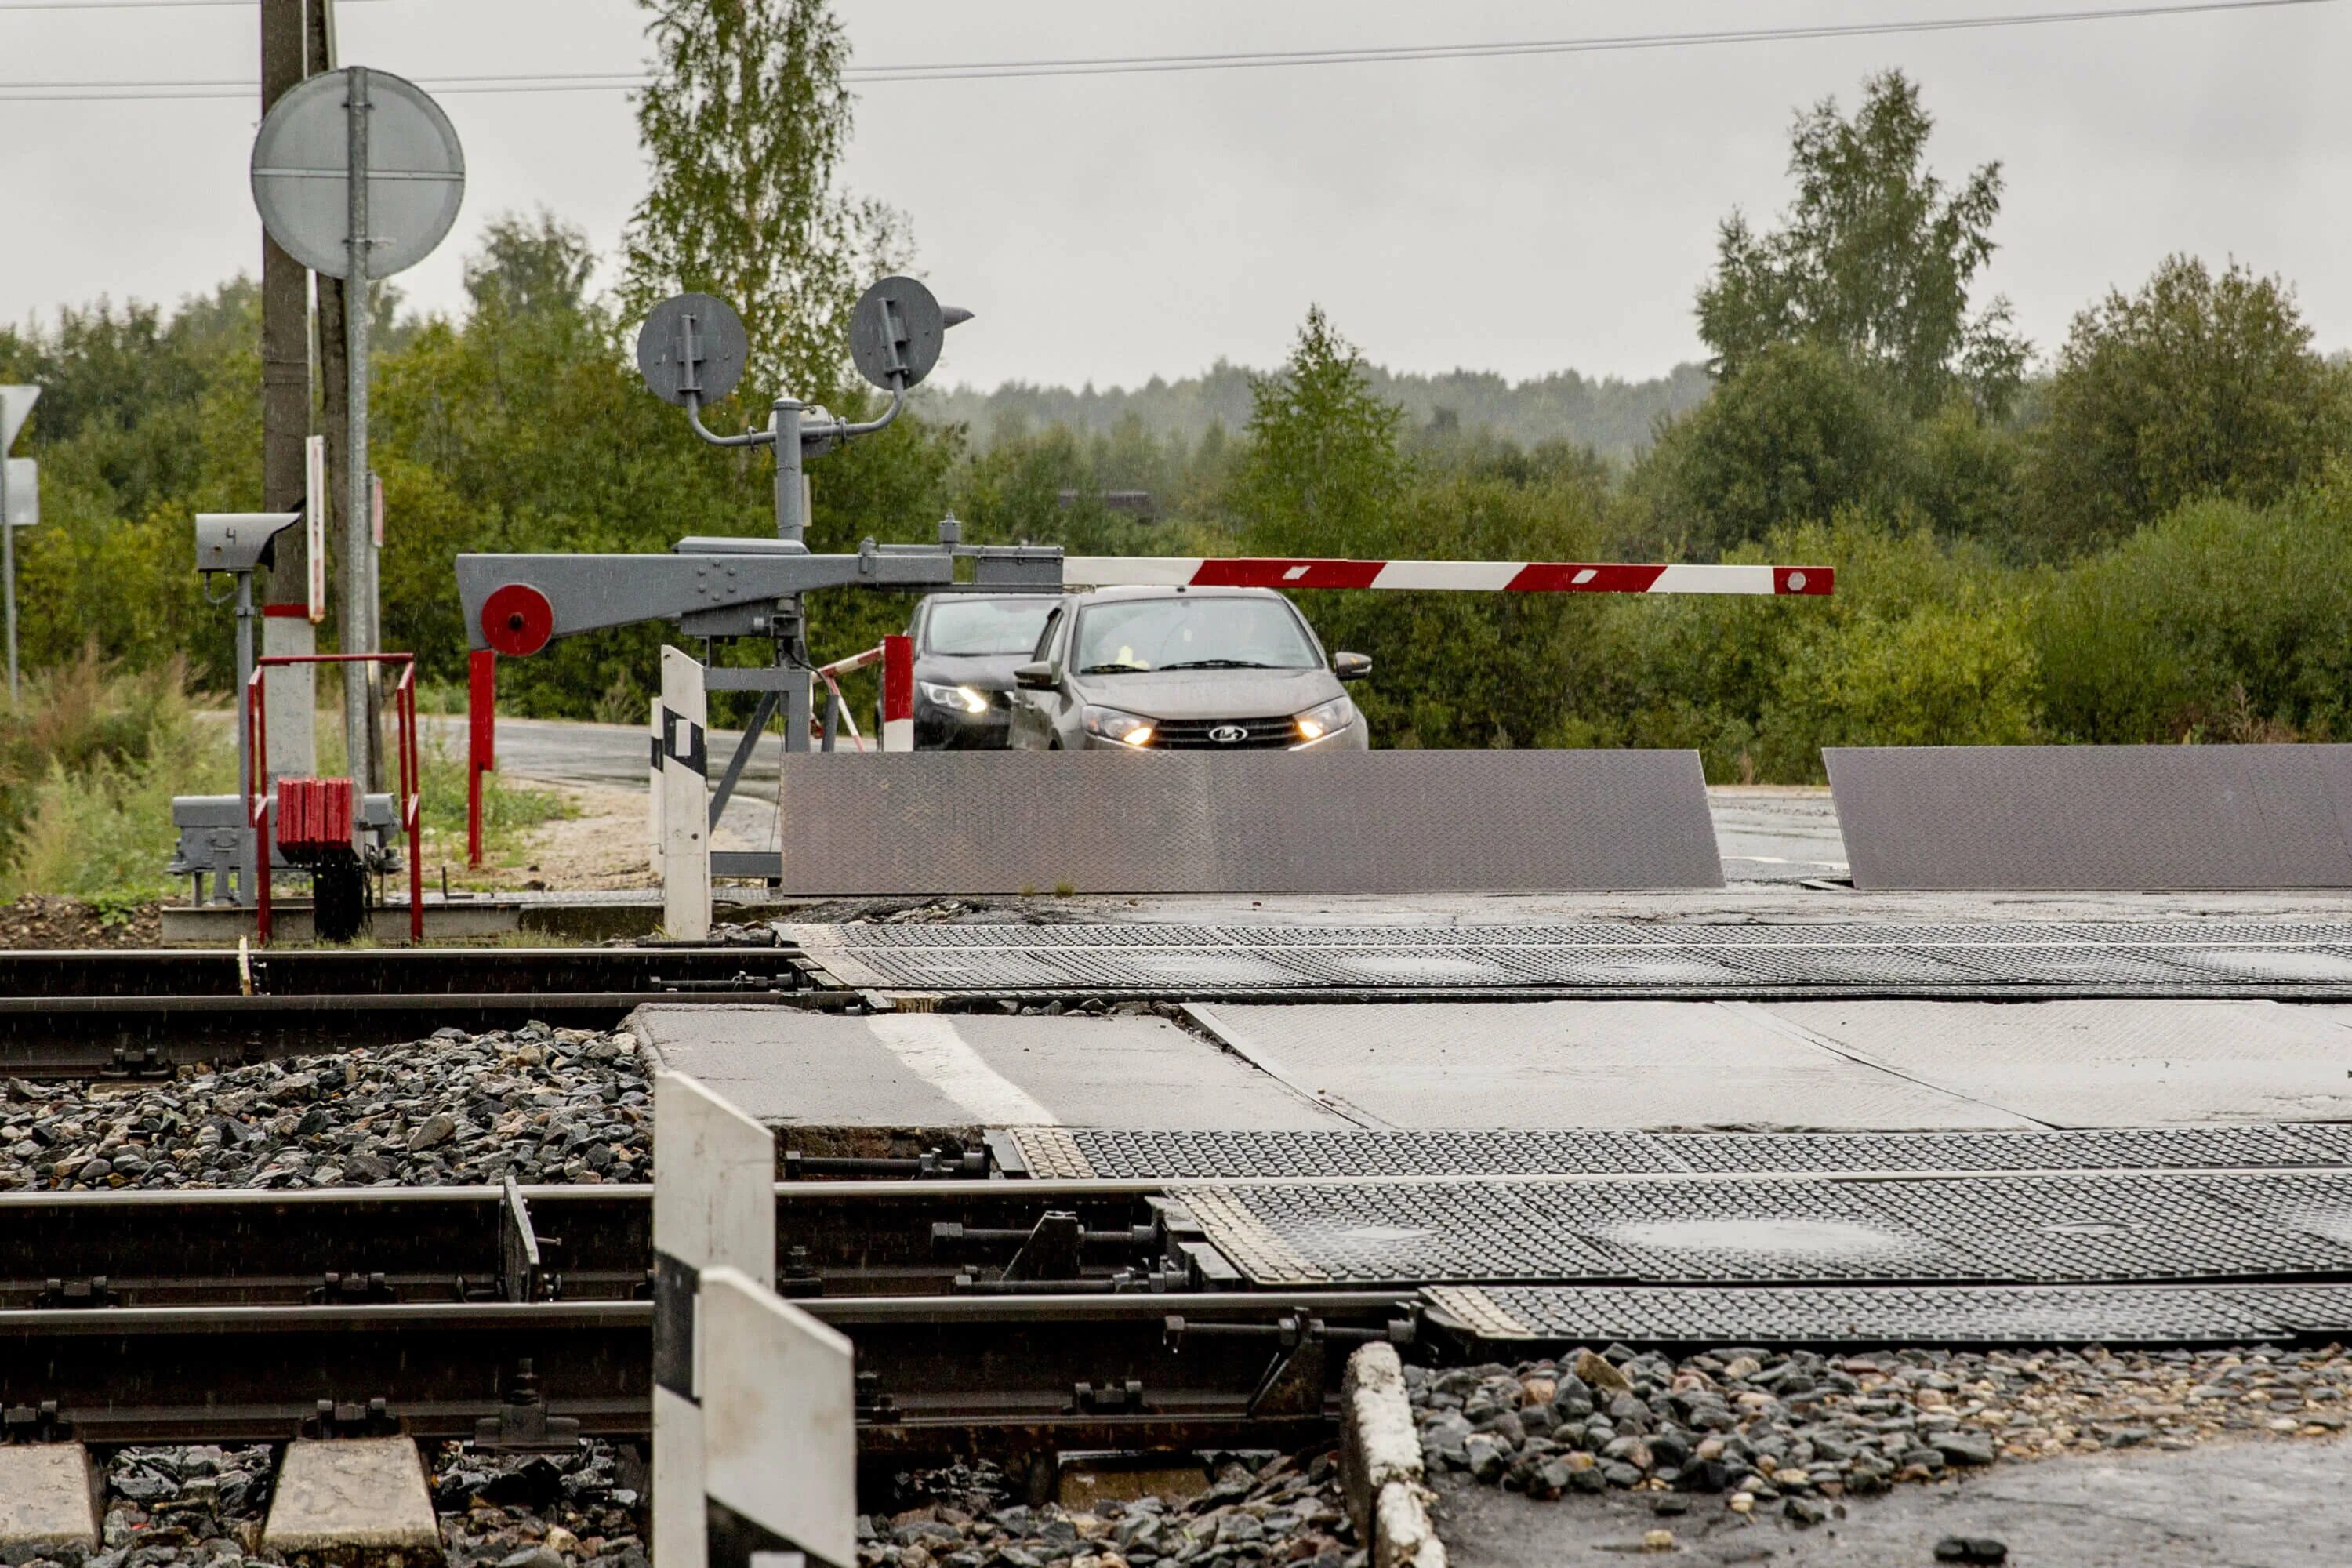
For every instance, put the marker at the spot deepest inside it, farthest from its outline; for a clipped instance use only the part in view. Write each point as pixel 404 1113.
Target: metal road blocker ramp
pixel 1361 822
pixel 2094 818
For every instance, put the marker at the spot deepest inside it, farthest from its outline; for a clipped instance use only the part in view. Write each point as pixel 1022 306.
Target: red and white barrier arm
pixel 1440 576
pixel 899 694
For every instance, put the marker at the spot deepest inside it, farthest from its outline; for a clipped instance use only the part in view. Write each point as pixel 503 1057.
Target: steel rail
pixel 122 1012
pixel 934 1376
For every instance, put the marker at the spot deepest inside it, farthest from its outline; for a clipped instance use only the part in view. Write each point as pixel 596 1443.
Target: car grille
pixel 1198 734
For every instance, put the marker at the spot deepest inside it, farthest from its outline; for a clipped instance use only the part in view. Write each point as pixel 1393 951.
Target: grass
pixel 91 756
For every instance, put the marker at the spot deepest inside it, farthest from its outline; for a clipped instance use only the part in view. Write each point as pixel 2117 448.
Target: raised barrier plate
pixel 1361 822
pixel 2094 818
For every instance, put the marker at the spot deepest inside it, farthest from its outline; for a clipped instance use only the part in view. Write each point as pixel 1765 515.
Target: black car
pixel 966 649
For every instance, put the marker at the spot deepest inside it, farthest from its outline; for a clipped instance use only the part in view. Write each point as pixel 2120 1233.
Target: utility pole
pixel 285 319
pixel 350 524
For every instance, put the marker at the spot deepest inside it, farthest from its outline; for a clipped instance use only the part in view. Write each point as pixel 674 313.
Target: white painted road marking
pixel 930 1047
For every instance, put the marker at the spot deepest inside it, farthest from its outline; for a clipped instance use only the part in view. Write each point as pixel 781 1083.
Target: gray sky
pixel 1517 214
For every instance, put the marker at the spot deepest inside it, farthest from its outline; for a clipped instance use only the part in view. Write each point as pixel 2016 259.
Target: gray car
pixel 1184 669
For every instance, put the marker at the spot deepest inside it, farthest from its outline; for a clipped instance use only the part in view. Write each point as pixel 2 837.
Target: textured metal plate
pixel 1994 1229
pixel 1575 1064
pixel 1110 1154
pixel 2147 818
pixel 1119 1153
pixel 1113 1153
pixel 2134 1148
pixel 1980 1315
pixel 1368 822
pixel 2175 958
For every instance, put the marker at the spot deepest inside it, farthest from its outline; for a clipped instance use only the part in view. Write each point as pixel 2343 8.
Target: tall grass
pixel 90 759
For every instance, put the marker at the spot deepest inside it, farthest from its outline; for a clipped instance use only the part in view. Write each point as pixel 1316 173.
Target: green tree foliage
pixel 2195 386
pixel 1874 257
pixel 1323 469
pixel 745 125
pixel 2221 621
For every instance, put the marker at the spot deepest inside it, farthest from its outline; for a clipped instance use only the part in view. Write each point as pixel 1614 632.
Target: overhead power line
pixel 139 4
pixel 1127 65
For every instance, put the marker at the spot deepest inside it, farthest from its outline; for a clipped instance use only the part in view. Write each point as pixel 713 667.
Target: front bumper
pixel 941 729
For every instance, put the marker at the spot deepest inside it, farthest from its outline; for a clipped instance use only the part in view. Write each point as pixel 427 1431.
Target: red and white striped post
pixel 899 694
pixel 481 742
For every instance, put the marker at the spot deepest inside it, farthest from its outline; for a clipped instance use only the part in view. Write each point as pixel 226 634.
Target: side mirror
pixel 1038 675
pixel 1351 665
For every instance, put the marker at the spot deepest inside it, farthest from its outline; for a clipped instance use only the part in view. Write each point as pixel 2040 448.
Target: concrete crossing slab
pixel 2108 1063
pixel 1579 1064
pixel 789 1068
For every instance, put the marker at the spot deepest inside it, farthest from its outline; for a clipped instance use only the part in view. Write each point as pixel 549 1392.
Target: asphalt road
pixel 1767 833
pixel 2242 1505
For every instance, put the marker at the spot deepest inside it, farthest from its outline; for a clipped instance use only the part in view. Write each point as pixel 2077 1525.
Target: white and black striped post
pixel 685 798
pixel 714 1207
pixel 653 787
pixel 778 1429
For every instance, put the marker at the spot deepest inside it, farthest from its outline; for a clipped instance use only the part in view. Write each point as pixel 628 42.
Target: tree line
pixel 2140 533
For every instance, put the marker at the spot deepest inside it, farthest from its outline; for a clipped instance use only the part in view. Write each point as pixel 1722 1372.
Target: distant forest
pixel 1617 419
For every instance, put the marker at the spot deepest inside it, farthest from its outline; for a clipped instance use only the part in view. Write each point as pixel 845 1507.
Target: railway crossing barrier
pixel 754 1438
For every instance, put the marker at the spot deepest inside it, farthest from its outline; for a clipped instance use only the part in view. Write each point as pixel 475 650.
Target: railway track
pixel 75 1014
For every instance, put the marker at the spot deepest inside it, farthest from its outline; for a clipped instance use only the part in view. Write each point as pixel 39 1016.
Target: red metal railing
pixel 408 802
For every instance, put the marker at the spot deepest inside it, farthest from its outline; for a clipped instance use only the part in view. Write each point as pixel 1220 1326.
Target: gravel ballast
pixel 1795 1431
pixel 542 1104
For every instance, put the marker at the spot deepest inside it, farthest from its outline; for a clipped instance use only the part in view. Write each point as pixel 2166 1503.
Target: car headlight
pixel 1317 722
pixel 1113 725
pixel 963 698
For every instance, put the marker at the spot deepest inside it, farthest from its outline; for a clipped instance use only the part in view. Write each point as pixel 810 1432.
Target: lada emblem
pixel 1228 735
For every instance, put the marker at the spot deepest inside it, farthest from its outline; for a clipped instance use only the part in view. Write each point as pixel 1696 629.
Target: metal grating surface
pixel 1950 1315
pixel 2146 819
pixel 2011 1229
pixel 2168 959
pixel 1114 1153
pixel 1361 822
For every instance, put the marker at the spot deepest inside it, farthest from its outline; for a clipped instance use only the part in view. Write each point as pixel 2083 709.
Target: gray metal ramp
pixel 1600 958
pixel 1577 1064
pixel 791 1067
pixel 1130 1154
pixel 2135 819
pixel 1950 1315
pixel 1360 822
pixel 2135 1227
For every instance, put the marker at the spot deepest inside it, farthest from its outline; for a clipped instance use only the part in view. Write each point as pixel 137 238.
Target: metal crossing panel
pixel 1829 1315
pixel 2136 1227
pixel 2131 818
pixel 1119 1153
pixel 1361 822
pixel 2302 960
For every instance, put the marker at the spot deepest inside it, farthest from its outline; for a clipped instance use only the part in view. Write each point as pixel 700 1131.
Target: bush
pixel 2221 621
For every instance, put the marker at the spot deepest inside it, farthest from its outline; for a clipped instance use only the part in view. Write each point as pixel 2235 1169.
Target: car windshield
pixel 969 627
pixel 1204 633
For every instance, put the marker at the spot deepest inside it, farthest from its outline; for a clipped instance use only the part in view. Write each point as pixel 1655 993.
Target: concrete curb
pixel 1380 1464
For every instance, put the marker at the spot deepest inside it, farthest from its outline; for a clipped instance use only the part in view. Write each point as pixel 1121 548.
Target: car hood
pixel 1209 693
pixel 985 672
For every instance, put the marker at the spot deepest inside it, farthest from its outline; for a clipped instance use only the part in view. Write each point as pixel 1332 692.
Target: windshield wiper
pixel 1219 664
pixel 1113 668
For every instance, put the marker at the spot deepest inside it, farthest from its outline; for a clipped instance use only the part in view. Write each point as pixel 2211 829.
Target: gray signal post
pixel 20 503
pixel 358 175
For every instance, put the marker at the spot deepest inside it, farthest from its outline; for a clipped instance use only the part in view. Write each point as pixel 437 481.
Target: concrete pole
pixel 285 325
pixel 359 634
pixel 9 570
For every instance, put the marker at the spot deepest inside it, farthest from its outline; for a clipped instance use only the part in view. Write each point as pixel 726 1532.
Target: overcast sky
pixel 1517 215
